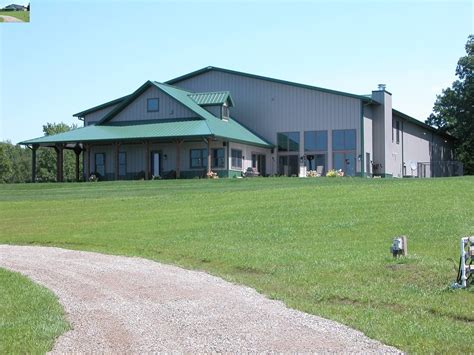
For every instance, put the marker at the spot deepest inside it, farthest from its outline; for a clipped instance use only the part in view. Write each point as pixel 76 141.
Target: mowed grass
pixel 30 316
pixel 320 245
pixel 21 15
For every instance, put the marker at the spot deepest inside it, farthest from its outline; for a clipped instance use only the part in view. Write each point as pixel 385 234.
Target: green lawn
pixel 22 15
pixel 320 245
pixel 30 316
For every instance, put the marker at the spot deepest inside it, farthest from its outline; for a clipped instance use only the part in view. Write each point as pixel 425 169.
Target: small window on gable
pixel 153 105
pixel 225 111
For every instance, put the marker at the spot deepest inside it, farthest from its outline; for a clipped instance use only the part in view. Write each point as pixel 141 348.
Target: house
pixel 14 7
pixel 226 121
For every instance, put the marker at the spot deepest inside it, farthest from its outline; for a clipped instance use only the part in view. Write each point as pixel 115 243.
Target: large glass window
pixel 198 158
pixel 218 158
pixel 288 141
pixel 315 140
pixel 236 158
pixel 153 105
pixel 122 163
pixel 344 139
pixel 100 164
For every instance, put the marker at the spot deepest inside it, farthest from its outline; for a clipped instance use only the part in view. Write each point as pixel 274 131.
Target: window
pixel 236 158
pixel 100 164
pixel 288 142
pixel 198 158
pixel 122 163
pixel 344 139
pixel 218 158
pixel 225 111
pixel 153 105
pixel 315 140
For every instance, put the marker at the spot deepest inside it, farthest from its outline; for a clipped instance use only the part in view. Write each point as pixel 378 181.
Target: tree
pixel 5 164
pixel 453 111
pixel 47 156
pixel 15 163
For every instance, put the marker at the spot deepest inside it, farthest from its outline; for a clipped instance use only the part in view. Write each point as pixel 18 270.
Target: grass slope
pixel 30 316
pixel 320 245
pixel 21 15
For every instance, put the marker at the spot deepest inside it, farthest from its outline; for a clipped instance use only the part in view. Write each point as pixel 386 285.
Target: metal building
pixel 224 121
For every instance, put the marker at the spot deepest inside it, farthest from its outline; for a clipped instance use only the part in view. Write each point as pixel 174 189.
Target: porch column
pixel 34 148
pixel 178 158
pixel 147 160
pixel 209 155
pixel 77 151
pixel 88 165
pixel 59 162
pixel 117 149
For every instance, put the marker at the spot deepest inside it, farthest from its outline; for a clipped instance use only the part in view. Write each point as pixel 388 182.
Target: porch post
pixel 34 148
pixel 147 160
pixel 178 158
pixel 209 155
pixel 59 162
pixel 88 166
pixel 77 151
pixel 117 148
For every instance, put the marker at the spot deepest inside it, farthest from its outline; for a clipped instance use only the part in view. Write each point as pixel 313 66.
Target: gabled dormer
pixel 217 103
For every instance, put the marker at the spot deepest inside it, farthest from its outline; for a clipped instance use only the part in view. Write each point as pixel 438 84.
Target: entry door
pixel 346 162
pixel 288 165
pixel 259 163
pixel 155 163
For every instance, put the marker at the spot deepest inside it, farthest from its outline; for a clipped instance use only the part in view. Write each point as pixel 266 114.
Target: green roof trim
pixel 212 98
pixel 421 124
pixel 100 107
pixel 259 77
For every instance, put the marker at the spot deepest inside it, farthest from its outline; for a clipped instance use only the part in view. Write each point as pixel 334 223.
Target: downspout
pixel 403 159
pixel 362 148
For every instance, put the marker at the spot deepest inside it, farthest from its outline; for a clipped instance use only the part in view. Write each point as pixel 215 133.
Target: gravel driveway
pixel 121 304
pixel 10 19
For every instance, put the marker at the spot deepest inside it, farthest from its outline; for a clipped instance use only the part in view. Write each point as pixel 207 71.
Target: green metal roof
pixel 212 98
pixel 188 128
pixel 205 125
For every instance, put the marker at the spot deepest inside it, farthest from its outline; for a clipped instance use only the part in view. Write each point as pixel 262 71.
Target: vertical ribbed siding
pixel 96 116
pixel 168 108
pixel 267 107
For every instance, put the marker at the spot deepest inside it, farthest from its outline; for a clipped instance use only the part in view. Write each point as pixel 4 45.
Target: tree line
pixel 15 160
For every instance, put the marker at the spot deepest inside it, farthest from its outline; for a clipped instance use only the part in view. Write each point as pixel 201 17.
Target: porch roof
pixel 157 130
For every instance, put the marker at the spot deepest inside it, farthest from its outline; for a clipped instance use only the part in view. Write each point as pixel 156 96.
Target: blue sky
pixel 77 54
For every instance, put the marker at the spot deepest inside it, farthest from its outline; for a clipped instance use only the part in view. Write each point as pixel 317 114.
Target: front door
pixel 155 164
pixel 345 161
pixel 288 165
pixel 259 163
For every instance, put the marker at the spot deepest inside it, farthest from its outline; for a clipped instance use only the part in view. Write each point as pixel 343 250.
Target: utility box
pixel 399 246
pixel 466 266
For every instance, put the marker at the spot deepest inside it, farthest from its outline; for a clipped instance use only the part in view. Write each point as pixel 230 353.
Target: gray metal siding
pixel 96 116
pixel 168 108
pixel 215 110
pixel 267 107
